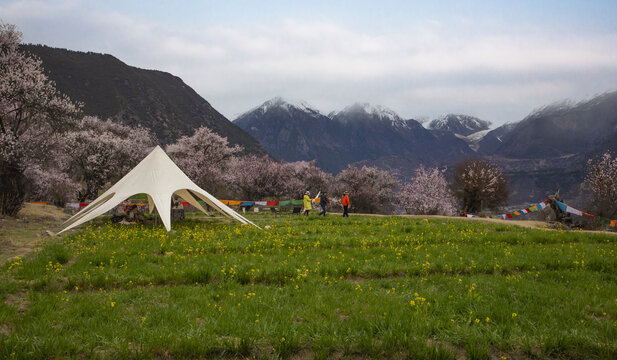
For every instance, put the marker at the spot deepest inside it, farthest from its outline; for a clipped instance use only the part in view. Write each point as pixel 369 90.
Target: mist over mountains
pixel 544 152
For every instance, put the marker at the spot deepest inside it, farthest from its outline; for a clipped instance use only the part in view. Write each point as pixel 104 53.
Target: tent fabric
pixel 159 178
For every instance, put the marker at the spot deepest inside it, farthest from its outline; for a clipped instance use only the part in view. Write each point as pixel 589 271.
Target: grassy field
pixel 361 287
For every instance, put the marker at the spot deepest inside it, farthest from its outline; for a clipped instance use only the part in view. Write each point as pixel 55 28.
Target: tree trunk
pixel 12 189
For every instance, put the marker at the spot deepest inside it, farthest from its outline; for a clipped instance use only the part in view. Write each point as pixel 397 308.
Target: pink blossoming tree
pixel 371 190
pixel 205 157
pixel 305 176
pixel 259 177
pixel 32 113
pixel 103 151
pixel 427 194
pixel 51 185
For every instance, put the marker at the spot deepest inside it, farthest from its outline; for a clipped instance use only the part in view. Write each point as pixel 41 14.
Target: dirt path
pixel 19 236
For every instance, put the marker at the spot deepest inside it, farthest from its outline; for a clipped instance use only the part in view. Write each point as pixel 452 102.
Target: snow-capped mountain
pixel 368 112
pixel 285 104
pixel 288 129
pixel 295 131
pixel 464 125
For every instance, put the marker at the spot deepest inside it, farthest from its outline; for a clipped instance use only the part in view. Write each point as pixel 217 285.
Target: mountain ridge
pixel 154 99
pixel 464 125
pixel 358 132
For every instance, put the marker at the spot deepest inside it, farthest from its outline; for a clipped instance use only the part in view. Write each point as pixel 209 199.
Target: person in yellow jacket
pixel 307 203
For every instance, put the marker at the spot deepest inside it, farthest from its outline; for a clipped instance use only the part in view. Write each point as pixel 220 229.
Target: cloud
pixel 425 68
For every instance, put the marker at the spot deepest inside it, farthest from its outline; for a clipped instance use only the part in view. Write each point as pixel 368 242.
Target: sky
pixel 497 60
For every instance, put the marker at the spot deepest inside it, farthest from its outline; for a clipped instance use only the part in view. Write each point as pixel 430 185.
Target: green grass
pixel 375 287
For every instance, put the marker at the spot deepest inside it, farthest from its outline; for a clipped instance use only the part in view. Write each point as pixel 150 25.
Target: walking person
pixel 323 202
pixel 306 201
pixel 345 202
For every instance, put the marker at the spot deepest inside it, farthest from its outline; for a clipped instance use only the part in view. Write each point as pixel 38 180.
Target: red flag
pixel 589 216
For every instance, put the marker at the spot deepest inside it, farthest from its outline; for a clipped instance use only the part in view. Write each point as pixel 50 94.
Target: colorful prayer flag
pixel 572 210
pixel 589 216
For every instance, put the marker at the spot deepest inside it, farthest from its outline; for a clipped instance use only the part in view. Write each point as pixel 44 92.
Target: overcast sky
pixel 497 60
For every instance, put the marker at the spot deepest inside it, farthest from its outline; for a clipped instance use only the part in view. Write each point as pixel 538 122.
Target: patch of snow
pixel 288 104
pixel 285 104
pixel 452 122
pixel 439 123
pixel 477 136
pixel 424 120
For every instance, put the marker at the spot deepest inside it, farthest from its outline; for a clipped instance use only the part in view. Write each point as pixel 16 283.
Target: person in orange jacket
pixel 345 203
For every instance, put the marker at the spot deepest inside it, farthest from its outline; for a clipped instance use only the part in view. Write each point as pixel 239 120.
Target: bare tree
pixel 478 185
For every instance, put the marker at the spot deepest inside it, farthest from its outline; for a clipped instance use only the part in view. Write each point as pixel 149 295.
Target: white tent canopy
pixel 160 178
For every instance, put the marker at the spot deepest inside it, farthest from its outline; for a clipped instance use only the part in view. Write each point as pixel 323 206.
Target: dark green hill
pixel 153 99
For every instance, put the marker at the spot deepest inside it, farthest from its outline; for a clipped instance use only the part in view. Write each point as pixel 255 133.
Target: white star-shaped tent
pixel 160 178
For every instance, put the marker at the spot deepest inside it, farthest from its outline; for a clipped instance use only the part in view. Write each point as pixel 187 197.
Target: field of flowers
pixel 375 287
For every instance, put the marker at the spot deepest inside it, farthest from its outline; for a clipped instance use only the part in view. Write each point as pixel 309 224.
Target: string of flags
pixel 537 207
pixel 528 210
pixel 524 211
pixel 77 205
pixel 562 206
pixel 567 208
pixel 262 203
